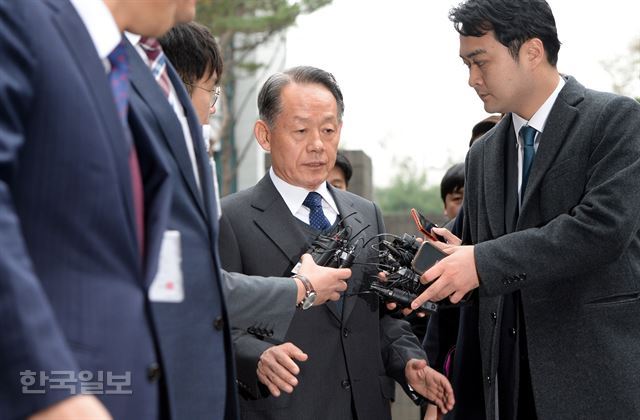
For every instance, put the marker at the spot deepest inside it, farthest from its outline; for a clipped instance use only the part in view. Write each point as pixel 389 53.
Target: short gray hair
pixel 269 103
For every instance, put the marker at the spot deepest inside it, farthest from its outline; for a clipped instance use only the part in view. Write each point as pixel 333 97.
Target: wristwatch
pixel 309 294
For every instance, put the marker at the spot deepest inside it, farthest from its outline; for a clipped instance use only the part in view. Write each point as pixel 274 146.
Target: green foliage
pixel 260 19
pixel 241 26
pixel 409 189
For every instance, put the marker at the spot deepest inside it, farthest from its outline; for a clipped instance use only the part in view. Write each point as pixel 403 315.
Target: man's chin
pixel 186 14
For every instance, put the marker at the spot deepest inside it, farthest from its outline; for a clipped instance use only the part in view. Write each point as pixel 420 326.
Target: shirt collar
pixel 100 24
pixel 294 196
pixel 133 38
pixel 539 119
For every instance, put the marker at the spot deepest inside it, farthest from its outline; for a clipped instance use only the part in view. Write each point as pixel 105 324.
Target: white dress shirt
pixel 101 25
pixel 537 121
pixel 294 196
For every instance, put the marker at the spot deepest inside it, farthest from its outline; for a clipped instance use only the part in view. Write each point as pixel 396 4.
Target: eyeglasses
pixel 215 93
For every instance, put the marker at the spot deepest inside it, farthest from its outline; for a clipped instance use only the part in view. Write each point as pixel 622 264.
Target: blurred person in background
pixel 452 190
pixel 341 173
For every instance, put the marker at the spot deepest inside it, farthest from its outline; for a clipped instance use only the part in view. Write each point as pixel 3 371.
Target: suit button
pixel 345 332
pixel 218 323
pixel 489 380
pixel 513 332
pixel 345 384
pixel 153 372
pixel 494 316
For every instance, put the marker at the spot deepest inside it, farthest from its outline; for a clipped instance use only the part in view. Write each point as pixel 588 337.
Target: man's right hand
pixel 277 369
pixel 78 407
pixel 327 282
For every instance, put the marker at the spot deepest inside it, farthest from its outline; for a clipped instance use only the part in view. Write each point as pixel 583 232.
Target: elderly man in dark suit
pixel 84 199
pixel 551 216
pixel 339 360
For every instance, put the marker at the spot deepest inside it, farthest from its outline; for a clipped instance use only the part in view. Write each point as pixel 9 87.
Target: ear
pixel 533 52
pixel 263 135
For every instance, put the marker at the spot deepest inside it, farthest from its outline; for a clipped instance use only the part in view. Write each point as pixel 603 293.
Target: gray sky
pixel 405 87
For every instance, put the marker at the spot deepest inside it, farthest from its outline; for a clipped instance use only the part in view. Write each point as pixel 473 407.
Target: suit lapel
pixel 207 200
pixel 205 169
pixel 157 191
pixel 561 119
pixel 81 47
pixel 493 176
pixel 147 88
pixel 352 220
pixel 273 217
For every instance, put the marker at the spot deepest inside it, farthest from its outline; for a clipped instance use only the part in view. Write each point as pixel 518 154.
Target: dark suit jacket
pixel 194 335
pixel 349 357
pixel 574 255
pixel 72 284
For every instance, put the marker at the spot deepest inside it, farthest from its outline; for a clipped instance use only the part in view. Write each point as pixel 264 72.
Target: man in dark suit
pixel 83 203
pixel 551 199
pixel 191 316
pixel 349 350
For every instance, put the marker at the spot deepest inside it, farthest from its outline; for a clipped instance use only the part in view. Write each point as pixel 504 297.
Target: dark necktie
pixel 157 62
pixel 317 219
pixel 528 134
pixel 119 80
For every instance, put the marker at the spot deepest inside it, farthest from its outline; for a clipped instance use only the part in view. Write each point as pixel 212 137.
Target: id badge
pixel 168 284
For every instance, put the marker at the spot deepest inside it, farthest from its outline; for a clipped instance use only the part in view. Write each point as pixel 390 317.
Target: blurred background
pixel 409 110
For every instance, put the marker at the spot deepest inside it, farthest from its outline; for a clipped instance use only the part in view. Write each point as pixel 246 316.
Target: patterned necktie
pixel 317 219
pixel 119 80
pixel 528 134
pixel 157 62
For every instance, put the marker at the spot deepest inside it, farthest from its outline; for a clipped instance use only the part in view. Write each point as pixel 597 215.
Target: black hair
pixel 193 51
pixel 513 21
pixel 269 104
pixel 345 166
pixel 452 181
pixel 483 126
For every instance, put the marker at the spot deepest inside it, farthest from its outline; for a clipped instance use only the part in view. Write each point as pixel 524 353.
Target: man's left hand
pixel 430 383
pixel 452 277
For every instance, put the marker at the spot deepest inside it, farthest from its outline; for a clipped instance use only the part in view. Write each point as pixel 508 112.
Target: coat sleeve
pixel 32 341
pixel 248 350
pixel 260 302
pixel 590 234
pixel 254 303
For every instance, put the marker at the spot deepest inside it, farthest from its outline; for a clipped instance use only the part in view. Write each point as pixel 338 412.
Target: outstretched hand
pixel 453 277
pixel 452 242
pixel 430 383
pixel 327 282
pixel 277 368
